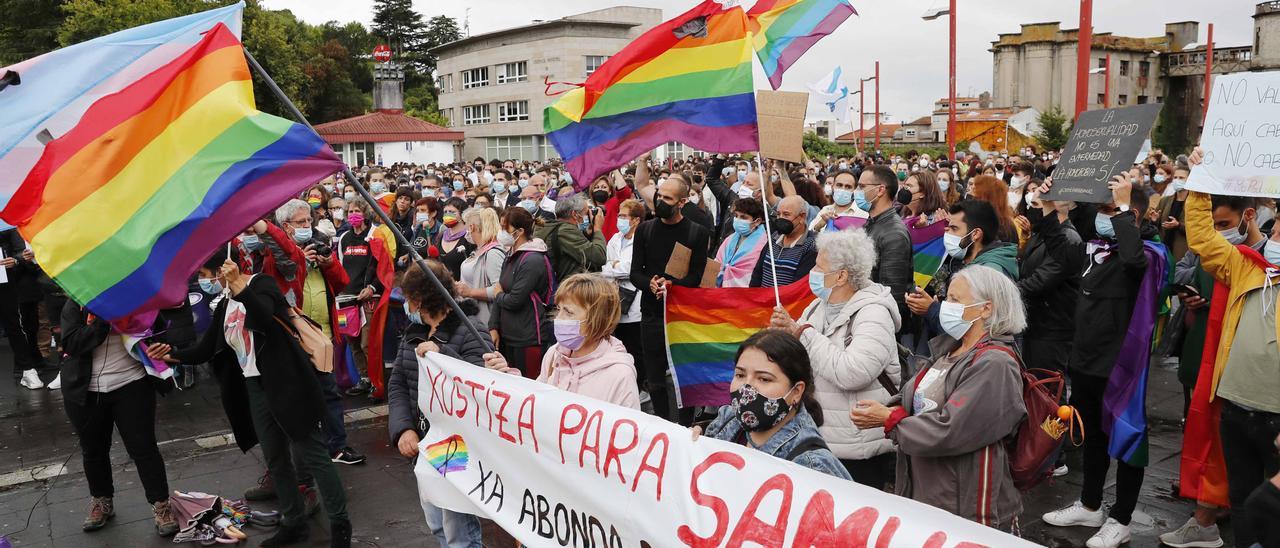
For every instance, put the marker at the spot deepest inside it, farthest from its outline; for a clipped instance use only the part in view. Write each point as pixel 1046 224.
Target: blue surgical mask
pixel 530 206
pixel 428 193
pixel 251 242
pixel 944 185
pixel 302 235
pixel 421 217
pixel 377 188
pixel 1179 184
pixel 1159 178
pixel 1272 253
pixel 1102 224
pixel 818 284
pixel 210 286
pixel 585 225
pixel 742 176
pixel 1235 236
pixel 497 187
pixel 951 243
pixel 414 316
pixel 624 225
pixel 951 316
pixel 860 199
pixel 458 186
pixel 513 188
pixel 524 183
pixel 842 197
pixel 742 227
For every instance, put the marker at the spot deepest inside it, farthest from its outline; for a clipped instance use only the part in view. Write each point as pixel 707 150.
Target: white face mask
pixel 951 316
pixel 744 192
pixel 505 239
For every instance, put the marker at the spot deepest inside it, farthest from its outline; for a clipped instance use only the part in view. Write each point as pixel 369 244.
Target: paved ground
pixel 35 439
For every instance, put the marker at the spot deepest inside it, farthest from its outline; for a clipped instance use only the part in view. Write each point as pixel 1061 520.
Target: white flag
pixel 834 94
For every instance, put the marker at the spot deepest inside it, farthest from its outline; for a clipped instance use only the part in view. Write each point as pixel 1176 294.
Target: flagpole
pixel 768 233
pixel 364 193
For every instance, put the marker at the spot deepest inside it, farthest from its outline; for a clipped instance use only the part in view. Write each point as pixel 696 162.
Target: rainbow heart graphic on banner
pixel 448 455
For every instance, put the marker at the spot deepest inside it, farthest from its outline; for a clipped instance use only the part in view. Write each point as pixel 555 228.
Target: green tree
pixel 28 28
pixel 359 45
pixel 420 102
pixel 89 19
pixel 441 30
pixel 396 22
pixel 331 94
pixel 1054 129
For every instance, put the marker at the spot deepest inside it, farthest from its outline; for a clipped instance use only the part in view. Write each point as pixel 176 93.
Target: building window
pixel 1142 99
pixel 1124 68
pixel 1122 100
pixel 513 72
pixel 476 77
pixel 1102 62
pixel 594 62
pixel 1144 68
pixel 524 147
pixel 445 83
pixel 513 111
pixel 675 150
pixel 475 114
pixel 448 116
pixel 1102 99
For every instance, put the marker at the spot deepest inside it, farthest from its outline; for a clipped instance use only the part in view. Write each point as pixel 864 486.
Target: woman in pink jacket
pixel 586 358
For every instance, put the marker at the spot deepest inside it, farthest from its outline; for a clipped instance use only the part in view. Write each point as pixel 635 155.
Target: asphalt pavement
pixel 42 502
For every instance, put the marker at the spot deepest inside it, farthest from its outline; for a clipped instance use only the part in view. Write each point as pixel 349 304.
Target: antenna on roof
pixel 466 23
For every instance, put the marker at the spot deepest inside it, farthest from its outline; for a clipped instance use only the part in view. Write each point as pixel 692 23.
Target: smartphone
pixel 1184 288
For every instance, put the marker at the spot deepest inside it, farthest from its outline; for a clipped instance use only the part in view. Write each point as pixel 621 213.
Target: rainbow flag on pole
pixel 783 30
pixel 706 325
pixel 688 80
pixel 134 188
pixel 927 249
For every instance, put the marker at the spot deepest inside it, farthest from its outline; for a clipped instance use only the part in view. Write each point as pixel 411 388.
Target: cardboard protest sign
pixel 554 468
pixel 780 116
pixel 1241 139
pixel 1101 145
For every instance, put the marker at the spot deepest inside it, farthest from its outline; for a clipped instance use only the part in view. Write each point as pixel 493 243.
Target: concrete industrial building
pixel 1037 66
pixel 491 85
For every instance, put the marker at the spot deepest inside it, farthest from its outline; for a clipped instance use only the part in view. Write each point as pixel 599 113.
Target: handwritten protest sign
pixel 1102 144
pixel 780 115
pixel 557 469
pixel 1241 138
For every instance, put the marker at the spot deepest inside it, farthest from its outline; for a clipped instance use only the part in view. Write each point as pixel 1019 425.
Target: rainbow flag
pixel 704 327
pixel 927 249
pixel 686 80
pixel 123 205
pixel 783 30
pixel 448 455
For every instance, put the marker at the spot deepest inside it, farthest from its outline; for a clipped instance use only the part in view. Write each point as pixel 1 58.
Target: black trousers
pixel 632 338
pixel 131 409
pixel 873 472
pixel 1248 446
pixel 21 321
pixel 280 451
pixel 1086 396
pixel 654 342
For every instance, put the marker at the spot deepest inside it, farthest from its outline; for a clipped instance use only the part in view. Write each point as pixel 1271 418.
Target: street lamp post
pixel 951 84
pixel 877 77
pixel 1083 54
pixel 858 143
pixel 1208 76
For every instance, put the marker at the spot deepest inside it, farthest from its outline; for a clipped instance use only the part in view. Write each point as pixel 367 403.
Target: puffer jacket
pixel 848 355
pixel 893 268
pixel 955 453
pixel 799 432
pixel 1049 278
pixel 608 373
pixel 454 340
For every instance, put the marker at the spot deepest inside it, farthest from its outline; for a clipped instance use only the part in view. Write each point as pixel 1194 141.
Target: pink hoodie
pixel 608 373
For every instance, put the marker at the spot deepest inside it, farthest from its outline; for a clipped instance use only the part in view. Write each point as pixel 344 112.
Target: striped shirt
pixel 794 262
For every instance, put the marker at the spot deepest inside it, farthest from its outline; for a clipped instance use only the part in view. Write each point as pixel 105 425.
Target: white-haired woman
pixel 480 271
pixel 848 333
pixel 953 417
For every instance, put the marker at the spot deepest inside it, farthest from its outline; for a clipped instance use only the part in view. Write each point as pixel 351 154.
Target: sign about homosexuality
pixel 1241 138
pixel 558 469
pixel 1102 145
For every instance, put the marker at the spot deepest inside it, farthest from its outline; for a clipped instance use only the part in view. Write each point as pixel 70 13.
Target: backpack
pixel 311 338
pixel 1035 446
pixel 543 306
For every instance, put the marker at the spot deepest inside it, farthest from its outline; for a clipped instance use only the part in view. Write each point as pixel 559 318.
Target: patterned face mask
pixel 757 412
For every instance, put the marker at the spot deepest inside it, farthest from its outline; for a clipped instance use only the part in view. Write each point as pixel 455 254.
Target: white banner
pixel 557 469
pixel 1241 138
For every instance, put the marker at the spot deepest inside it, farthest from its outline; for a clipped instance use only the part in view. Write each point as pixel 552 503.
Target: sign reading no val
pixel 1241 138
pixel 558 469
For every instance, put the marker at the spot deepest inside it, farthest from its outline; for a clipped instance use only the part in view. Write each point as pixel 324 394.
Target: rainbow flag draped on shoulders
pixel 705 326
pixel 144 170
pixel 783 30
pixel 688 80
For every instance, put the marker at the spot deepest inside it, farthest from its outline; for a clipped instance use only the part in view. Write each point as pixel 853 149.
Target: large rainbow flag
pixel 705 326
pixel 138 185
pixel 783 30
pixel 688 80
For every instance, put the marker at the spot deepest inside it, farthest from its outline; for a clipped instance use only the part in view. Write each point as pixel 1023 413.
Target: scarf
pixel 449 235
pixel 738 257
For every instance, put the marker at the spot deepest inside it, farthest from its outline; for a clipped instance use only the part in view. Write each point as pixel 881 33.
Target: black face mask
pixel 664 210
pixel 1035 215
pixel 904 196
pixel 600 196
pixel 782 227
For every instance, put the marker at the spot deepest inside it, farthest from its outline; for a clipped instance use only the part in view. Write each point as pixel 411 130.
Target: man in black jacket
pixel 1049 280
pixel 19 301
pixel 875 191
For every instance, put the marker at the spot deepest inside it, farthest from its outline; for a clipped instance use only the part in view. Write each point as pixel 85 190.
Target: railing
pixel 1242 54
pixel 1268 7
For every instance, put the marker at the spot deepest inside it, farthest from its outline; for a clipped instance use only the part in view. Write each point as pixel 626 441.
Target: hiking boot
pixel 288 535
pixel 101 509
pixel 1192 535
pixel 361 388
pixel 166 524
pixel 348 456
pixel 1076 514
pixel 340 534
pixel 265 490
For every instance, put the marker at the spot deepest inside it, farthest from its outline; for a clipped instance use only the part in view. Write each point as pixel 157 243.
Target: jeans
pixel 1086 396
pixel 453 529
pixel 335 431
pixel 279 451
pixel 131 409
pixel 1248 447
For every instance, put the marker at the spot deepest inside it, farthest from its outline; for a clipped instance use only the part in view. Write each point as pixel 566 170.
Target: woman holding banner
pixel 951 420
pixel 772 406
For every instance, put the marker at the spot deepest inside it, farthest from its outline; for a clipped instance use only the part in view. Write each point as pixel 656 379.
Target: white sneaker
pixel 1111 535
pixel 31 380
pixel 56 383
pixel 1192 535
pixel 1076 514
pixel 1060 471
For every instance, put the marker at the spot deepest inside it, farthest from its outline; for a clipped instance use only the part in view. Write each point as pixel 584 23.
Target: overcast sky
pixel 912 52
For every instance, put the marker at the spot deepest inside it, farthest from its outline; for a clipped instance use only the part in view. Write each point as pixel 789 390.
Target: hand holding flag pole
pixel 364 193
pixel 768 232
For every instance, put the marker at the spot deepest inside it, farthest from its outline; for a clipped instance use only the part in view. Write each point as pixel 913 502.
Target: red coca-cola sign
pixel 382 53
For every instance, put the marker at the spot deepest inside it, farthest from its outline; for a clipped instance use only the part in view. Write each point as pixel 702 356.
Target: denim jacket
pixel 798 430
